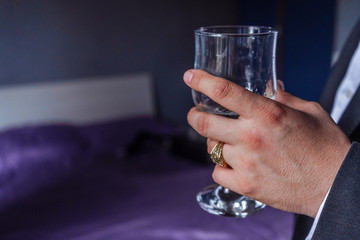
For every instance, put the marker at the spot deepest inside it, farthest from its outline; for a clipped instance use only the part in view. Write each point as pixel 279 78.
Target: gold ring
pixel 216 155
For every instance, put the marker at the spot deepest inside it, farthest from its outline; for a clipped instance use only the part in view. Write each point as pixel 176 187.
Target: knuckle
pixel 254 141
pixel 249 166
pixel 215 176
pixel 314 106
pixel 190 116
pixel 275 113
pixel 202 124
pixel 247 188
pixel 209 148
pixel 195 81
pixel 222 90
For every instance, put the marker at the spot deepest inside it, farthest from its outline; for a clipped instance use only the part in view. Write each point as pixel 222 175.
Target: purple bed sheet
pixel 67 182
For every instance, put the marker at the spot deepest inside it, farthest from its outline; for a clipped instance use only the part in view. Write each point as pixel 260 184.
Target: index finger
pixel 226 93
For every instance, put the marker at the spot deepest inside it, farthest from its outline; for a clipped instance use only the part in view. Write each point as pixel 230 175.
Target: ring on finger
pixel 217 156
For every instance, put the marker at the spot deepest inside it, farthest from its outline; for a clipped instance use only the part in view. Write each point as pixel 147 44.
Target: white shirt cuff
pixel 313 227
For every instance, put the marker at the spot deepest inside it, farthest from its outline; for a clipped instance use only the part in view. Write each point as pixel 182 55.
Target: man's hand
pixel 284 153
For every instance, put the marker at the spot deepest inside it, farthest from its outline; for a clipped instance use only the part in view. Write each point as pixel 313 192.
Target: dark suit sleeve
pixel 340 218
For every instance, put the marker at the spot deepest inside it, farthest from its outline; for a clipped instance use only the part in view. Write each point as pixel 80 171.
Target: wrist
pixel 327 179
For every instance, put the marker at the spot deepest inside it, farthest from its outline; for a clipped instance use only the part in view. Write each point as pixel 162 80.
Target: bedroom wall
pixel 44 40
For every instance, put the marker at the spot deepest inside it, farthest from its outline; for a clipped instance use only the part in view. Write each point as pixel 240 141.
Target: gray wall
pixel 347 14
pixel 62 39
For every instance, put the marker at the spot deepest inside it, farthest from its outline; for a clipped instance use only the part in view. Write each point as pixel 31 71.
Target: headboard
pixel 77 100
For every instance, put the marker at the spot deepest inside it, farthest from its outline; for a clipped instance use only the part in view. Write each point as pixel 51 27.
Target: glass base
pixel 218 200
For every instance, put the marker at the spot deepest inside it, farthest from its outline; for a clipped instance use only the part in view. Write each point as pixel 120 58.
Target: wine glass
pixel 244 55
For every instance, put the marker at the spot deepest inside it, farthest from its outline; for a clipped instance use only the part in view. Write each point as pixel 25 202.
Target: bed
pixel 88 159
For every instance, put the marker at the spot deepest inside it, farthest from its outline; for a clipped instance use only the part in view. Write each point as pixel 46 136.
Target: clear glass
pixel 244 55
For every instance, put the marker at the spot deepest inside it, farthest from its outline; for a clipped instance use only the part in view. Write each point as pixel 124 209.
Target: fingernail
pixel 281 84
pixel 188 76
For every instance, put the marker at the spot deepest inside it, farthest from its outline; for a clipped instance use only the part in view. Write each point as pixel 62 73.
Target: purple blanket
pixel 66 182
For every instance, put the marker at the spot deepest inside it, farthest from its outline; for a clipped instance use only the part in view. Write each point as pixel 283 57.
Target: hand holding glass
pixel 244 55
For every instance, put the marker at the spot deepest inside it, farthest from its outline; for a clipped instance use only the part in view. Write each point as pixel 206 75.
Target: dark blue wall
pixel 305 40
pixel 308 38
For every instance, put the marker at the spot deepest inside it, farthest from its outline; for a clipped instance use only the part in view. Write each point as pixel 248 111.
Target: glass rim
pixel 206 30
